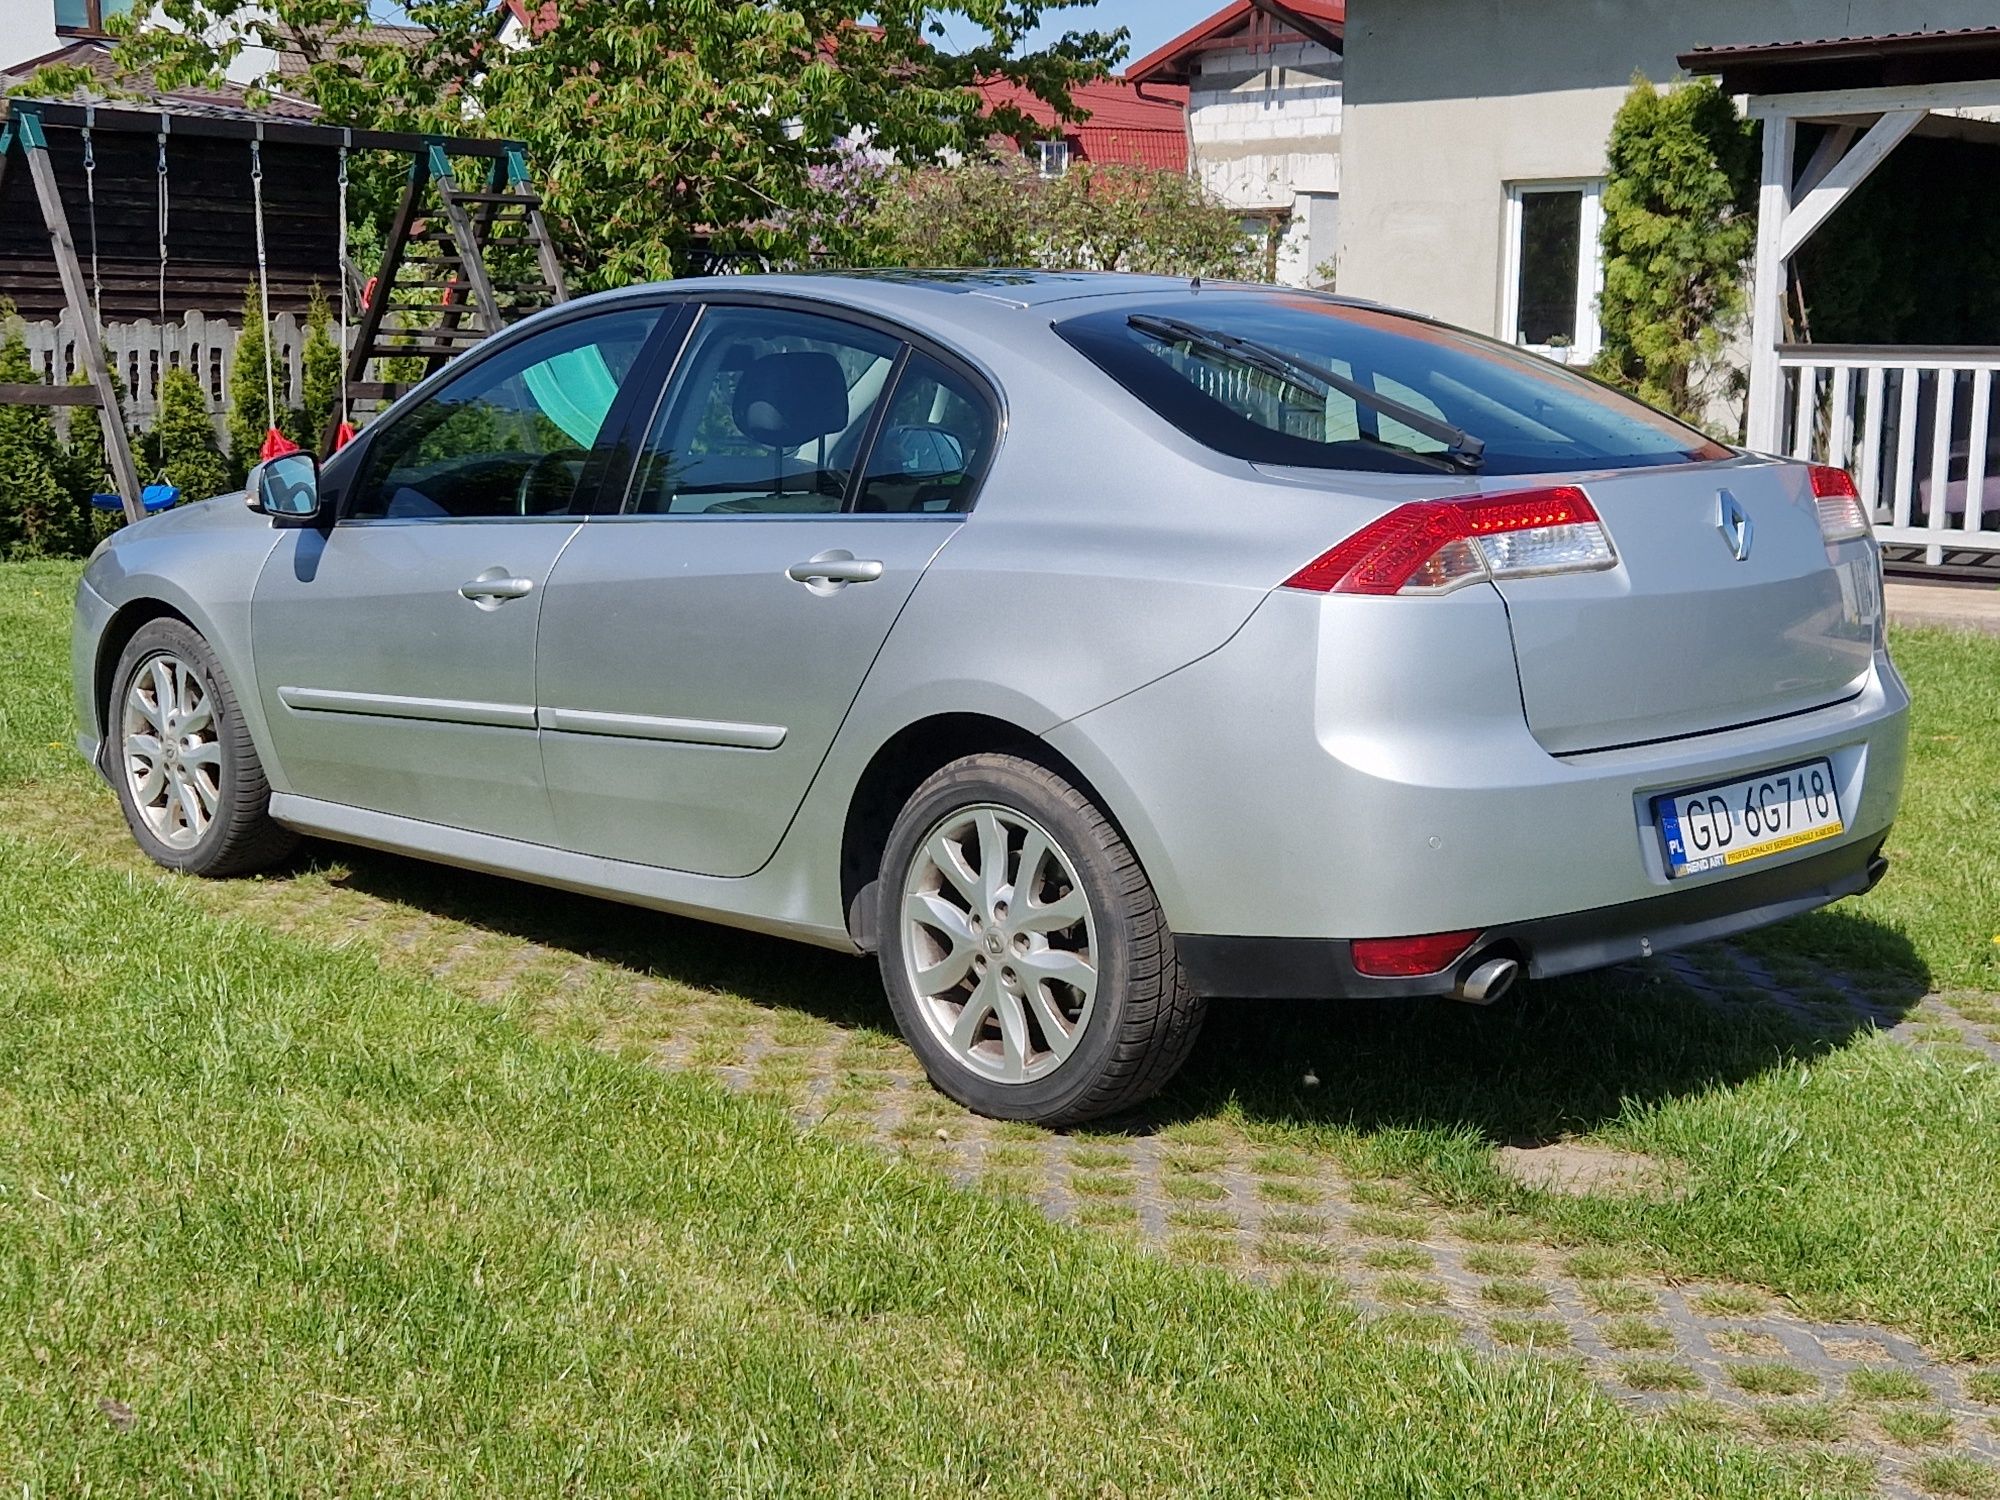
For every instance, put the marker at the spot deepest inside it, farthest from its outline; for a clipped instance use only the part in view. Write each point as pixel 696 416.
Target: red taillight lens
pixel 1404 957
pixel 1430 546
pixel 1841 515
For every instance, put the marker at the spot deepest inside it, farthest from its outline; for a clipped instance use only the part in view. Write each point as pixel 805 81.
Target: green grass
pixel 276 1217
pixel 1942 902
pixel 317 1225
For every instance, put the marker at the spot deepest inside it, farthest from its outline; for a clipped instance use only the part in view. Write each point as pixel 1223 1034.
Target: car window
pixel 1532 415
pixel 510 436
pixel 765 415
pixel 933 444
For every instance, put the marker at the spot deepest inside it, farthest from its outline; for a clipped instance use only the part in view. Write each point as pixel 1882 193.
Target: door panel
pixel 395 654
pixel 699 653
pixel 387 688
pixel 690 686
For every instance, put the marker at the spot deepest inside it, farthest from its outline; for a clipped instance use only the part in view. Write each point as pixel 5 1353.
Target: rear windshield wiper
pixel 1462 449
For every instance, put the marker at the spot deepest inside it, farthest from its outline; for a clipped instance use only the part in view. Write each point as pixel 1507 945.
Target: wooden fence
pixel 140 352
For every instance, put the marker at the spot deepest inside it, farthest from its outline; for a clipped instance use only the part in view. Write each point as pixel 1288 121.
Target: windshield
pixel 1531 415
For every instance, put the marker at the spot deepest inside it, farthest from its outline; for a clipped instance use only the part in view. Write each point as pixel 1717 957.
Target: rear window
pixel 1532 415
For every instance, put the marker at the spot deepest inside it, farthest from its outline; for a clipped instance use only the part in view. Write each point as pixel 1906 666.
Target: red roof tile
pixel 1136 126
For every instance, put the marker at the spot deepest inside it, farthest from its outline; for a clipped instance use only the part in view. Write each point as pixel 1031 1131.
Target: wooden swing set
pixel 429 306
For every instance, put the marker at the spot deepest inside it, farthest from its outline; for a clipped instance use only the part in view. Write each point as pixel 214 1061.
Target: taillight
pixel 1430 546
pixel 1842 517
pixel 1405 957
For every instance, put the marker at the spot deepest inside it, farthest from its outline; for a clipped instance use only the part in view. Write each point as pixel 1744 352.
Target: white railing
pixel 1916 428
pixel 139 354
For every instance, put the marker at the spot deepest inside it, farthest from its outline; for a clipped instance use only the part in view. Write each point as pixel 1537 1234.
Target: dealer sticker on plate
pixel 1737 821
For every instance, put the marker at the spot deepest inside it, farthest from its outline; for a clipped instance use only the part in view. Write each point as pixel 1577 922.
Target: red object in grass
pixel 342 436
pixel 368 292
pixel 276 445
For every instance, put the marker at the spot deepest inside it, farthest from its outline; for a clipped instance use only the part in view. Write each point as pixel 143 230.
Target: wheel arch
pixel 128 620
pixel 902 763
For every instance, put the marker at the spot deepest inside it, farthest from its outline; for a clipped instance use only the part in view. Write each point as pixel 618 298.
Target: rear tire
pixel 1024 951
pixel 188 779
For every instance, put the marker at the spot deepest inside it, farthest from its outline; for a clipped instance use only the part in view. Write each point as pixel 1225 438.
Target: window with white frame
pixel 1052 157
pixel 1554 268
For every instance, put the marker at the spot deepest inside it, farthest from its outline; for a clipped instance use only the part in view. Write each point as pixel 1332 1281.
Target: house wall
pixel 1449 101
pixel 1264 129
pixel 27 29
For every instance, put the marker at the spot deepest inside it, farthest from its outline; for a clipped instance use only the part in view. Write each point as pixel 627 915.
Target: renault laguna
pixel 1087 648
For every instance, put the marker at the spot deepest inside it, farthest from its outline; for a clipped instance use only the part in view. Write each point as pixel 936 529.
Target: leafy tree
pixel 39 517
pixel 989 211
pixel 183 439
pixel 1679 224
pixel 659 129
pixel 249 416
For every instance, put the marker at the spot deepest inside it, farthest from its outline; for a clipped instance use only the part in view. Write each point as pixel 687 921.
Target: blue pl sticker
pixel 1670 830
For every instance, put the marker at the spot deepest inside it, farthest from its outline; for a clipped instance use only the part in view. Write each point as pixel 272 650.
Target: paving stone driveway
pixel 1872 1404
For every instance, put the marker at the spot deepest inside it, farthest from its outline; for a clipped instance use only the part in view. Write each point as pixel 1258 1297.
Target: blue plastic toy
pixel 153 498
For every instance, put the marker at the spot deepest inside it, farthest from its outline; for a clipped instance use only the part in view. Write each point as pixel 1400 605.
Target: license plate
pixel 1734 822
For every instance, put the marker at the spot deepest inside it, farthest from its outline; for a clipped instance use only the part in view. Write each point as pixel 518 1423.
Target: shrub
pixel 997 211
pixel 183 439
pixel 1679 224
pixel 319 378
pixel 39 515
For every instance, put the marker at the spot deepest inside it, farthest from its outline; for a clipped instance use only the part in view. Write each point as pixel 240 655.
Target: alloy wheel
pixel 173 758
pixel 999 943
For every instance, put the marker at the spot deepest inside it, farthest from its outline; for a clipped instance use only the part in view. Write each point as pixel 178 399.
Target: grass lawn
pixel 276 1218
pixel 276 1215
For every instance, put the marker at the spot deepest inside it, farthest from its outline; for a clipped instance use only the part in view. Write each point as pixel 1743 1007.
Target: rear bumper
pixel 1283 968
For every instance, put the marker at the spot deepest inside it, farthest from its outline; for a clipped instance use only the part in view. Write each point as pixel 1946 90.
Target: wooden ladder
pixel 452 297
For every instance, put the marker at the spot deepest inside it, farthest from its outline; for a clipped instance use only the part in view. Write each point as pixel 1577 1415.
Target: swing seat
pixel 152 499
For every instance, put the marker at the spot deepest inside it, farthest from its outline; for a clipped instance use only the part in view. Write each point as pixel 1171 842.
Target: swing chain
pixel 341 271
pixel 263 277
pixel 162 201
pixel 90 193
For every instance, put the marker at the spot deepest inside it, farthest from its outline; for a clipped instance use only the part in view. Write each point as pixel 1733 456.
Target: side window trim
pixel 858 479
pixel 639 405
pixel 617 497
pixel 598 468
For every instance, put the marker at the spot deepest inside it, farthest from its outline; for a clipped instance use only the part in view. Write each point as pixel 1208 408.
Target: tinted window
pixel 1551 255
pixel 510 436
pixel 933 445
pixel 765 415
pixel 1533 416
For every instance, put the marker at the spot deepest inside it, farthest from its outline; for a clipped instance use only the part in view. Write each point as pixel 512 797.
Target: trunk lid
pixel 1684 637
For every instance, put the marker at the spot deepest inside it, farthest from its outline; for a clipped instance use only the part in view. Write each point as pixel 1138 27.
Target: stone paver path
pixel 1869 1401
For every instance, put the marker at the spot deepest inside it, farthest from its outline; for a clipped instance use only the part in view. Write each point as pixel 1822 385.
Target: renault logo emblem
pixel 1734 524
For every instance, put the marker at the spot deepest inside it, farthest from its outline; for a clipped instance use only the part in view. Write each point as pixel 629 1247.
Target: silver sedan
pixel 1085 647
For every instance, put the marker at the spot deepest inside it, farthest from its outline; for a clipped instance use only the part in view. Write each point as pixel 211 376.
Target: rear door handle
pixel 831 570
pixel 495 586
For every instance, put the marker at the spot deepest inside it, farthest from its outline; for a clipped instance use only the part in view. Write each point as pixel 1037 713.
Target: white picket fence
pixel 141 352
pixel 1915 426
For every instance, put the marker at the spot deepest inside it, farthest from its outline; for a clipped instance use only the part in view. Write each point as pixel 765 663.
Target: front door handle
pixel 494 587
pixel 831 570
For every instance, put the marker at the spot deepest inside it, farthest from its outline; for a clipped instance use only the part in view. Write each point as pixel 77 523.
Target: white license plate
pixel 1736 821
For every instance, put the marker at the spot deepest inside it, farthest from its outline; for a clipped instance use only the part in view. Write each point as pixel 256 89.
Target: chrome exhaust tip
pixel 1487 982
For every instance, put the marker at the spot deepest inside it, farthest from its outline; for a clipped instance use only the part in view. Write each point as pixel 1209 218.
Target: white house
pixel 1264 122
pixel 1475 135
pixel 35 31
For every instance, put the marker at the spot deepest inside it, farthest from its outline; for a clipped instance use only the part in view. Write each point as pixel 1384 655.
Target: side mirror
pixel 286 487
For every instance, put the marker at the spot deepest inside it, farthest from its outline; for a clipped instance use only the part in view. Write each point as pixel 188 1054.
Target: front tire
pixel 1024 952
pixel 188 779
